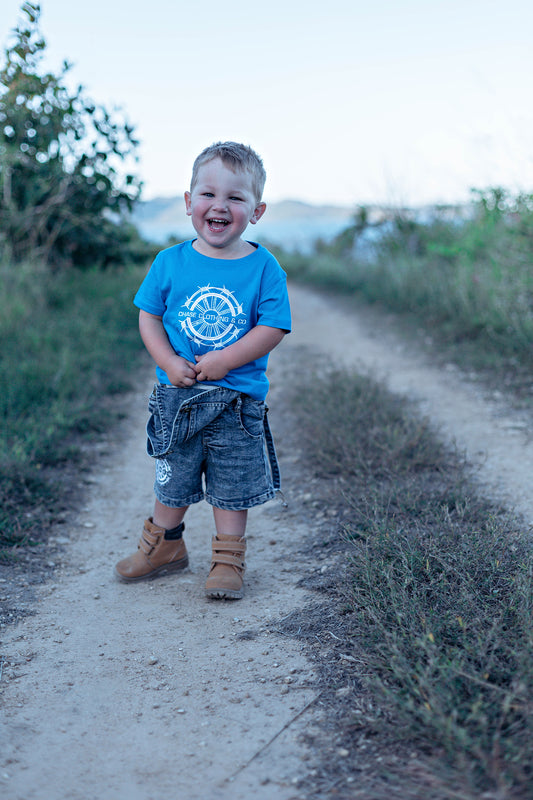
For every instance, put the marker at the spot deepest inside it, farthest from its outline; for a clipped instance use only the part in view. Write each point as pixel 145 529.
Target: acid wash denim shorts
pixel 213 444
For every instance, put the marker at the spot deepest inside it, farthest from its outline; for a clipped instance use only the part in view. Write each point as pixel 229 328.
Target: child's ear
pixel 258 213
pixel 188 208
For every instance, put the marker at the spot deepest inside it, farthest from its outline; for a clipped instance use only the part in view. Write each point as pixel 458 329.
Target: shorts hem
pixel 171 503
pixel 242 505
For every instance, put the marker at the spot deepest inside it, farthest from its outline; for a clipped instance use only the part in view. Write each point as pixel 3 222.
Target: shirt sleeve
pixel 150 296
pixel 274 307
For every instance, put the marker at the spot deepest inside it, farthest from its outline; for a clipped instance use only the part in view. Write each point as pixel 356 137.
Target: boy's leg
pixel 166 517
pixel 230 522
pixel 225 579
pixel 161 547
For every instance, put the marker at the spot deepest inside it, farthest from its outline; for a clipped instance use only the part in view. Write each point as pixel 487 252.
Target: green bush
pixel 66 185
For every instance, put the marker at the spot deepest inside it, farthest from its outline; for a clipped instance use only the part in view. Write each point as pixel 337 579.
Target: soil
pixel 151 691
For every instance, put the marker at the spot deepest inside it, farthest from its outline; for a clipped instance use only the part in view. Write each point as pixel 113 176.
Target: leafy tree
pixel 63 159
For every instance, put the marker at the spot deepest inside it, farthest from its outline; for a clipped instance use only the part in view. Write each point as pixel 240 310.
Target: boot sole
pixel 225 594
pixel 174 566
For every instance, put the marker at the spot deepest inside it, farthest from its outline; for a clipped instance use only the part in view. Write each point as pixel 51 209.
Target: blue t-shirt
pixel 208 303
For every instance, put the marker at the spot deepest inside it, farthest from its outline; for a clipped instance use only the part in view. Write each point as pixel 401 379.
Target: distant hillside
pixel 291 223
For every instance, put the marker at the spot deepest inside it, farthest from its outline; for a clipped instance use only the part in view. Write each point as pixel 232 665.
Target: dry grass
pixel 437 605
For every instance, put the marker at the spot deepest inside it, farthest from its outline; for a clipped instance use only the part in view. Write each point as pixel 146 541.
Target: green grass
pixel 68 341
pixel 469 282
pixel 439 588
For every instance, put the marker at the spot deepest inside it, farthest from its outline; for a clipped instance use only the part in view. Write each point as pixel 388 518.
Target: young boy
pixel 211 310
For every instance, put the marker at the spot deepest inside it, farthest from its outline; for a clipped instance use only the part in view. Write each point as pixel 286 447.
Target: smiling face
pixel 221 204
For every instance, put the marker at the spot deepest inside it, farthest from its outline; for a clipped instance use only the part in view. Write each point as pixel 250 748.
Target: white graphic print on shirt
pixel 212 317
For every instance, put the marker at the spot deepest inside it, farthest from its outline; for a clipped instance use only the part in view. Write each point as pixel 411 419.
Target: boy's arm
pixel 180 371
pixel 214 365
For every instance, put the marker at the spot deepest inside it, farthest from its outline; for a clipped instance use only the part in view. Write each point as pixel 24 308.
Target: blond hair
pixel 239 158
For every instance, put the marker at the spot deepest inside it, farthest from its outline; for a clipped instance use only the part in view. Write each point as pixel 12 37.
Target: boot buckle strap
pixel 229 559
pixel 228 546
pixel 149 542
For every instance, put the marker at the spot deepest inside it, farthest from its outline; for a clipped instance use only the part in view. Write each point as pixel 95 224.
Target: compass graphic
pixel 213 317
pixel 163 471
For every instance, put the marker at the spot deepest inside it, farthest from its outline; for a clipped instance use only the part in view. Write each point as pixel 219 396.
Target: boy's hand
pixel 215 365
pixel 211 366
pixel 181 372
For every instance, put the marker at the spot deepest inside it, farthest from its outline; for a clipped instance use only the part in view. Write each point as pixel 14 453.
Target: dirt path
pixel 496 439
pixel 150 691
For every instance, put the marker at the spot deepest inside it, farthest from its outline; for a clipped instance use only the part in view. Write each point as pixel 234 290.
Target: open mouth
pixel 217 224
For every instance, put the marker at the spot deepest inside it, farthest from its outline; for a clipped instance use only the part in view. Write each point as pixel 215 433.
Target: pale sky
pixel 347 101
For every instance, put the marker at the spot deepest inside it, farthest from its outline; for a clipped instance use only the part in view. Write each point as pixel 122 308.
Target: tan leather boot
pixel 154 555
pixel 227 567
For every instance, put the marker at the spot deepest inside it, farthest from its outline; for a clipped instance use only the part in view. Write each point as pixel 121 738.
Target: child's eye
pixel 208 194
pixel 235 198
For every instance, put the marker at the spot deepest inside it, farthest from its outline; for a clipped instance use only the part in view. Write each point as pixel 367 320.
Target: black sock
pixel 175 533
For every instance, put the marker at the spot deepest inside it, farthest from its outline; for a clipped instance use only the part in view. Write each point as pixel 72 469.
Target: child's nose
pixel 219 203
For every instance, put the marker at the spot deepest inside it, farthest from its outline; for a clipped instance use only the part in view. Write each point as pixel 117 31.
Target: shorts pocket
pixel 157 444
pixel 169 422
pixel 251 417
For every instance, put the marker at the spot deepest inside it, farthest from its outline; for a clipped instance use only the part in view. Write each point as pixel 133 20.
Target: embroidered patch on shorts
pixel 163 471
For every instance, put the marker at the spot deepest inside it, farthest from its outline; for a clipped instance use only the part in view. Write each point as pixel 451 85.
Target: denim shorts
pixel 212 444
